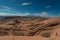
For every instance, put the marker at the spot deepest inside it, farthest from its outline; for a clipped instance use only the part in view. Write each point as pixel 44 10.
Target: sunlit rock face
pixel 47 28
pixel 18 26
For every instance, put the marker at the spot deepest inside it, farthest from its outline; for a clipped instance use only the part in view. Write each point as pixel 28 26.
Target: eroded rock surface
pixel 31 27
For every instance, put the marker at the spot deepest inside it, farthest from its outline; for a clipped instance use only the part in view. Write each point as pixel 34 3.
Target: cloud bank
pixel 7 11
pixel 43 14
pixel 17 14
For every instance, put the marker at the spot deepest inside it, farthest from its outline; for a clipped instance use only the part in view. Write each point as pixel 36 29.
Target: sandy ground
pixel 27 38
pixel 54 36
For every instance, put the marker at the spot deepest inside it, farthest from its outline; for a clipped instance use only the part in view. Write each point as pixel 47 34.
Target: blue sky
pixel 30 7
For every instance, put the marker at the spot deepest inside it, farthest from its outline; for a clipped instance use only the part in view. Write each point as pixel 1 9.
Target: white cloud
pixel 24 4
pixel 37 14
pixel 6 14
pixel 17 14
pixel 25 14
pixel 42 14
pixel 7 9
pixel 48 6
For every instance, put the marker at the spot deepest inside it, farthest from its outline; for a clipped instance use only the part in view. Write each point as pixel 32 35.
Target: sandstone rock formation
pixel 30 27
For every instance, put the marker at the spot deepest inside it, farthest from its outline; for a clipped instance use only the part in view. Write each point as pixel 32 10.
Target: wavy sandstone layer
pixel 31 27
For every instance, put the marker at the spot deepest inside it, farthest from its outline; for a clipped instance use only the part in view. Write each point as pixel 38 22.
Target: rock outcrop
pixel 30 27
